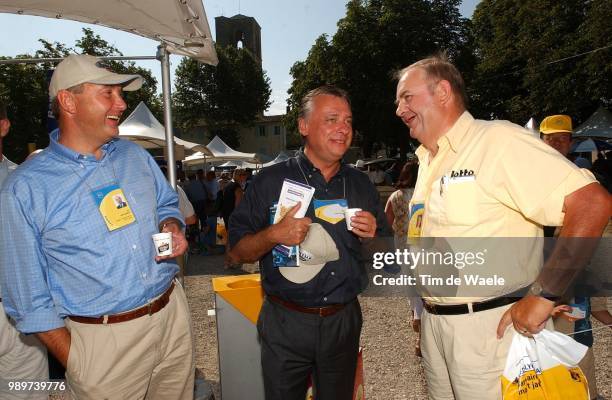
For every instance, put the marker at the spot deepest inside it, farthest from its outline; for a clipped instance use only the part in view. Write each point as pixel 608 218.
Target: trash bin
pixel 238 300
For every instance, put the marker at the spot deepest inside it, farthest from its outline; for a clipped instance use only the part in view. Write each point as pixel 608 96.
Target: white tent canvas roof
pixel 142 127
pixel 598 125
pixel 181 25
pixel 282 156
pixel 220 151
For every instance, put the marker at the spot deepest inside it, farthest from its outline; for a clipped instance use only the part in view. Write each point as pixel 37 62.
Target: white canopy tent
pixel 181 27
pixel 220 152
pixel 532 127
pixel 238 164
pixel 282 156
pixel 598 125
pixel 143 128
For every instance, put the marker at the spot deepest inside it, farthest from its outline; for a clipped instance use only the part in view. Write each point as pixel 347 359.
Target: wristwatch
pixel 536 289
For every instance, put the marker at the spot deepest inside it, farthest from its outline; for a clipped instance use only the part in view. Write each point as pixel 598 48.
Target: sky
pixel 288 30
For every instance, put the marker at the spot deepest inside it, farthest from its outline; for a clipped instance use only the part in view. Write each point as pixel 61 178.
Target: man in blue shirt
pixel 310 321
pixel 81 273
pixel 22 357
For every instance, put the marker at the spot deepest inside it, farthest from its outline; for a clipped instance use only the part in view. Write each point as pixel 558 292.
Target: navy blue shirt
pixel 339 281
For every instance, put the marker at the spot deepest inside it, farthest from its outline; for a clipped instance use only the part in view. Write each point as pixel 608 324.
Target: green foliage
pixel 24 88
pixel 374 40
pixel 223 98
pixel 529 62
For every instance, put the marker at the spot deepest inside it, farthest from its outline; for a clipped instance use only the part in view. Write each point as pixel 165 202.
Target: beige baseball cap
pixel 82 68
pixel 317 249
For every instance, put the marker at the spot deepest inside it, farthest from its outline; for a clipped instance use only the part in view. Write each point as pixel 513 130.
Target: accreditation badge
pixel 415 224
pixel 331 211
pixel 113 207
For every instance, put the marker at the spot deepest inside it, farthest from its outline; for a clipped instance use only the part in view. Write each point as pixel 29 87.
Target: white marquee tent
pixel 220 151
pixel 598 125
pixel 143 128
pixel 180 25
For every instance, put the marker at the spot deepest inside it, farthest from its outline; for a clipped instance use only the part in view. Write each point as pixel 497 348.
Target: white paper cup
pixel 348 214
pixel 163 243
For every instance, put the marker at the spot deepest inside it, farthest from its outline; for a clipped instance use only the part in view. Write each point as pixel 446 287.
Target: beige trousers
pixel 150 357
pixel 22 358
pixel 462 357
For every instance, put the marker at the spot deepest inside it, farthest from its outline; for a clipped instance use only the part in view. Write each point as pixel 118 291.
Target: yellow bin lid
pixel 243 292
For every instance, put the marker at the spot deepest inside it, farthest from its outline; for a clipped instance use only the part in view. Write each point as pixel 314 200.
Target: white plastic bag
pixel 544 367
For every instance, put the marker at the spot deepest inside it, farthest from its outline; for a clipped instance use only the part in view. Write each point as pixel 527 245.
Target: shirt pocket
pixel 460 203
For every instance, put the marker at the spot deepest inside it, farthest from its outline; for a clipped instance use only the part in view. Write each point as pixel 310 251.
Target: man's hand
pixel 528 315
pixel 290 231
pixel 179 242
pixel 364 224
pixel 57 341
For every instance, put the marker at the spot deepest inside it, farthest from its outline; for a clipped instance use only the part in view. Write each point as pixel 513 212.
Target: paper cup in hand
pixel 163 243
pixel 348 214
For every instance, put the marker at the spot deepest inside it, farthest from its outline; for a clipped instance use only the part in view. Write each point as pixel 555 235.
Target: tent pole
pixel 164 57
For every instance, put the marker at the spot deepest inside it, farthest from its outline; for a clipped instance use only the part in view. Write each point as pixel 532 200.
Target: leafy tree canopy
pixel 374 40
pixel 223 98
pixel 542 57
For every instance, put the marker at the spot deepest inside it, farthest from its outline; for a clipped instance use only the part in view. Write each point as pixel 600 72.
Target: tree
pixel 224 97
pixel 24 87
pixel 542 57
pixel 375 39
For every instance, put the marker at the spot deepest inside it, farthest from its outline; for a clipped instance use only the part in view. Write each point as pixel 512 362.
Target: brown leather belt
pixel 321 311
pixel 148 309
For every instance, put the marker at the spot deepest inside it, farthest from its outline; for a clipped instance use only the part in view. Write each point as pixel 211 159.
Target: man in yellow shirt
pixel 486 179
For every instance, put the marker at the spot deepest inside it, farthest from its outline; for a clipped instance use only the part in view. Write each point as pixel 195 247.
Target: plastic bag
pixel 544 367
pixel 221 232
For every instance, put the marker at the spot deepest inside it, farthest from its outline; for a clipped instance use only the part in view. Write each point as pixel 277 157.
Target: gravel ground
pixel 392 371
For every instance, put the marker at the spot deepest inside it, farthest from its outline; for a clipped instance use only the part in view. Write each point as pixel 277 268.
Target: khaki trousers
pixel 462 357
pixel 150 357
pixel 22 358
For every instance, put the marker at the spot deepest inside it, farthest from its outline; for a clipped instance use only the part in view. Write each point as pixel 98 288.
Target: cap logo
pixel 305 255
pixel 103 64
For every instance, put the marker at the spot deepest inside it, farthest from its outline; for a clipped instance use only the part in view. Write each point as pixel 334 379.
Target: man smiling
pixel 487 179
pixel 81 273
pixel 310 321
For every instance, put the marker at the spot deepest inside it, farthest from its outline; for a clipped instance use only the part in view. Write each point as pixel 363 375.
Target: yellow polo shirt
pixel 493 179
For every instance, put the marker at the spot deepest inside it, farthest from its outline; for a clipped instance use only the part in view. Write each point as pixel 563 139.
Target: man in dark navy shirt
pixel 311 325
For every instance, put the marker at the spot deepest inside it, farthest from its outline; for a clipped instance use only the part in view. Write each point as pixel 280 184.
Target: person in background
pixel 232 194
pixel 22 357
pixel 397 211
pixel 198 195
pixel 556 131
pixel 212 208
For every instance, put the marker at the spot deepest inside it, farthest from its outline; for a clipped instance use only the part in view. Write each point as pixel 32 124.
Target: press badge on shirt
pixel 113 207
pixel 415 222
pixel 331 211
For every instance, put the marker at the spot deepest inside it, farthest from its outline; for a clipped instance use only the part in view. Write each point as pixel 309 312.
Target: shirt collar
pixel 56 147
pixel 453 136
pixel 303 160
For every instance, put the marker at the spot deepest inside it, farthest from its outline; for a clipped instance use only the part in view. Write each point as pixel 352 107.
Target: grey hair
pixel 438 67
pixel 308 99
